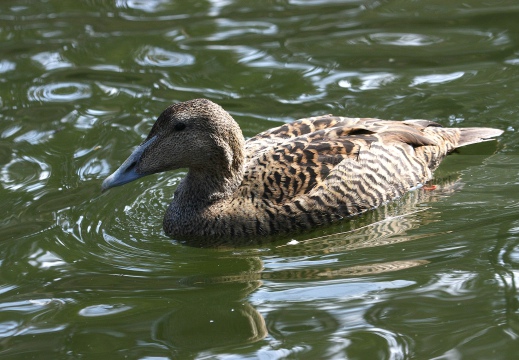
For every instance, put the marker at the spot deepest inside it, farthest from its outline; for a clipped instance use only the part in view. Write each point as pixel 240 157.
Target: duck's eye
pixel 179 126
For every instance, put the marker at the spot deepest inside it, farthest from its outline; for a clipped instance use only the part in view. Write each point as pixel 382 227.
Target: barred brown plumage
pixel 297 176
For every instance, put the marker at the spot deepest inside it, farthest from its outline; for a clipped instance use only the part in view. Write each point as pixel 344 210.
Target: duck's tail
pixel 476 135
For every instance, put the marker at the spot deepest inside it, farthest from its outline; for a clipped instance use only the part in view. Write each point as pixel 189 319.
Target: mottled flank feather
pixel 297 176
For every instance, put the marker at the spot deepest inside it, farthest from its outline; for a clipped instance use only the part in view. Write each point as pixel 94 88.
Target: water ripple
pixel 229 29
pixel 404 39
pixel 94 169
pixel 306 322
pixel 59 92
pixel 155 56
pixel 142 216
pixel 24 173
pixel 6 66
pixel 391 344
pixel 453 42
pixel 45 259
pixel 437 78
pixel 51 61
pixel 149 6
pixel 363 82
pixel 34 137
pixel 103 310
pixel 132 231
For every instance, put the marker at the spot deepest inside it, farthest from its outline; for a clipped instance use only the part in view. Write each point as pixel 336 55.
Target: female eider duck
pixel 297 176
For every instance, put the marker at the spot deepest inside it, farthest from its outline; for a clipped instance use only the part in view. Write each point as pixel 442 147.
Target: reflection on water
pixel 59 92
pixel 85 274
pixel 163 58
pixel 214 326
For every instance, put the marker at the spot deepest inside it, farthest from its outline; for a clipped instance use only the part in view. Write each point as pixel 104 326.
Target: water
pixel 90 275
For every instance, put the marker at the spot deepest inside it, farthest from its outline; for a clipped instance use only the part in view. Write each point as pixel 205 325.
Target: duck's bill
pixel 127 172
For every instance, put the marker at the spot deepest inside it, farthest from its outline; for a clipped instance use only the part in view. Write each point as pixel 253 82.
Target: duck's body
pixel 310 172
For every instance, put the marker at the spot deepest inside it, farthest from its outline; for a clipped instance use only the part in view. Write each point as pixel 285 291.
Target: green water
pixel 85 275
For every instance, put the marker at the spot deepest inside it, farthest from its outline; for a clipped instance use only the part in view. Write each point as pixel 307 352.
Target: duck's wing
pixel 289 161
pixel 269 139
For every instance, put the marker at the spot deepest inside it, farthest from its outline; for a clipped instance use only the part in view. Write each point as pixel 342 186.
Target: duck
pixel 291 178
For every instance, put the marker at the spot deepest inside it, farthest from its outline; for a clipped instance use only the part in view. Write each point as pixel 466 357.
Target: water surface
pixel 91 275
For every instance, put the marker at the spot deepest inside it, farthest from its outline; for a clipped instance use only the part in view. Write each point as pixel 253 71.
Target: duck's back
pixel 321 169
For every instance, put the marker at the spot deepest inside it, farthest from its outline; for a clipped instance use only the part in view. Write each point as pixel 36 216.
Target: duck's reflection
pixel 228 319
pixel 301 319
pixel 217 325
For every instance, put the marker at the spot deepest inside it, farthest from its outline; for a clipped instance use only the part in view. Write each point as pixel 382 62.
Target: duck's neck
pixel 204 186
pixel 196 200
pixel 201 188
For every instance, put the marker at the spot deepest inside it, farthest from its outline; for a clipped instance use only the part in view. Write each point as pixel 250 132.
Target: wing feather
pixel 304 158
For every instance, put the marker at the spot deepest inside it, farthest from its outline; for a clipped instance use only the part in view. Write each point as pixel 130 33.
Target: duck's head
pixel 196 134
